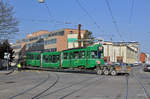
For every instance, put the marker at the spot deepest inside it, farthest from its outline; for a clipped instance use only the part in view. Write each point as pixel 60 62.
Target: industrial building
pixel 127 52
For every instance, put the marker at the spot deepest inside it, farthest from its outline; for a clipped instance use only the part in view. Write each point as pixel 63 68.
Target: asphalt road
pixel 63 85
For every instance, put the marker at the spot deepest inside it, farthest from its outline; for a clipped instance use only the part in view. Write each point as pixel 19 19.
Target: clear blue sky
pixel 34 16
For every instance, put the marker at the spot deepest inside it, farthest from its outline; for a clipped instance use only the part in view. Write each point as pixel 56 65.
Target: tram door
pixel 66 60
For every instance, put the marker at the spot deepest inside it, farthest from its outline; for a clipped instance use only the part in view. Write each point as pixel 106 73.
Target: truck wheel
pixel 106 72
pixel 113 73
pixel 99 72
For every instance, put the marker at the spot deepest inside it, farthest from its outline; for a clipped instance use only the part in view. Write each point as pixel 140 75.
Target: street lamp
pixel 41 1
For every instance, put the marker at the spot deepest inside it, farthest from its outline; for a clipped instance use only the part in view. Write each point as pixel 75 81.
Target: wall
pixel 128 53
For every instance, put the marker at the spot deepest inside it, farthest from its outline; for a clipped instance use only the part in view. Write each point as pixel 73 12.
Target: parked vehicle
pixel 131 65
pixel 136 64
pixel 143 57
pixel 146 67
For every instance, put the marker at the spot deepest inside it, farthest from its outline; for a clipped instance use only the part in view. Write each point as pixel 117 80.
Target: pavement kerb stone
pixel 7 72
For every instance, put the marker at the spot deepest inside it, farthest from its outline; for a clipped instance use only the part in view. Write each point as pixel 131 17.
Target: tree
pixel 1 51
pixel 88 38
pixel 8 23
pixel 5 47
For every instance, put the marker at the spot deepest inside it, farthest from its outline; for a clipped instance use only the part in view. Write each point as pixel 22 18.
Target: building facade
pixel 49 41
pixel 127 52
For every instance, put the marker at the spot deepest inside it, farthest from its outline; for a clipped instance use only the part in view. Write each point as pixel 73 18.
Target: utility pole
pixel 79 35
pixel 107 53
pixel 85 39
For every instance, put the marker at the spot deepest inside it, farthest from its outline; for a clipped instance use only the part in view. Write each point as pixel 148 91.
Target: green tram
pixel 84 58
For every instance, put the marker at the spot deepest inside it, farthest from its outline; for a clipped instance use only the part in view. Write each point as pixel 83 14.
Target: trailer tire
pixel 113 73
pixel 99 72
pixel 106 72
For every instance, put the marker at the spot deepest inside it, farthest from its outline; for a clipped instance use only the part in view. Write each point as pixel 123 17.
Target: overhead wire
pixel 55 21
pixel 113 19
pixel 131 11
pixel 131 17
pixel 90 16
pixel 48 9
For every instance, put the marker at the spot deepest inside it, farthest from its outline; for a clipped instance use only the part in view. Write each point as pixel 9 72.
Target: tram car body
pixel 85 58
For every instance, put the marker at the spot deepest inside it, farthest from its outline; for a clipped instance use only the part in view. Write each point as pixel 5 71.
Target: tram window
pixel 50 58
pixel 88 54
pixel 58 57
pixel 65 55
pixel 38 57
pixel 71 55
pixel 76 55
pixel 28 56
pixel 45 57
pixel 55 58
pixel 100 51
pixel 82 54
pixel 94 54
pixel 31 56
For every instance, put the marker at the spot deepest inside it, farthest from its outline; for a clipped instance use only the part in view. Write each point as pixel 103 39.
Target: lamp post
pixel 41 1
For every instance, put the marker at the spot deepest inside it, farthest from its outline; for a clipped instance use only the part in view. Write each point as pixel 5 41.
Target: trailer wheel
pixel 99 72
pixel 106 72
pixel 113 73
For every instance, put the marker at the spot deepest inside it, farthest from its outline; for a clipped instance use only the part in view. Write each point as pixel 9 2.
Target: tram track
pixel 134 74
pixel 127 85
pixel 91 84
pixel 69 86
pixel 147 94
pixel 88 84
pixel 31 88
pixel 52 85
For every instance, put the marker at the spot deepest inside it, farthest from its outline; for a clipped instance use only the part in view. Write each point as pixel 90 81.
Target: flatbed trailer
pixel 113 69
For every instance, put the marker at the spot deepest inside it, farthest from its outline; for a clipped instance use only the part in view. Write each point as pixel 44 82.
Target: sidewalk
pixel 6 72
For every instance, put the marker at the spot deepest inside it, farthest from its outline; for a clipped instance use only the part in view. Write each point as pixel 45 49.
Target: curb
pixel 9 72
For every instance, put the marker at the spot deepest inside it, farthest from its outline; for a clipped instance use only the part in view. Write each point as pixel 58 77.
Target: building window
pixel 50 35
pixel 61 33
pixel 71 32
pixel 51 41
pixel 51 50
pixel 17 47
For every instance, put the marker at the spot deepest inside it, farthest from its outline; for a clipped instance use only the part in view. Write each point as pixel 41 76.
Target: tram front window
pixel 94 54
pixel 99 54
pixel 100 50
